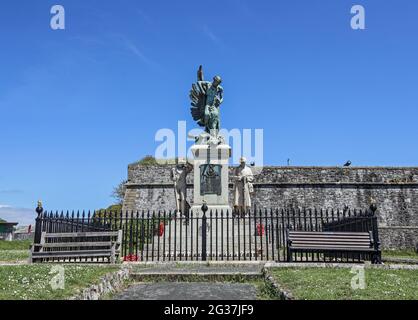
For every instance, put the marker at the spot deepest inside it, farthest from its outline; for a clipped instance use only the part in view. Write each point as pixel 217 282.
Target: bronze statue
pixel 206 98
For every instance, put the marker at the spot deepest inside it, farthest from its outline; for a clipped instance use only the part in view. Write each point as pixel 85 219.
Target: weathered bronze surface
pixel 206 98
pixel 210 179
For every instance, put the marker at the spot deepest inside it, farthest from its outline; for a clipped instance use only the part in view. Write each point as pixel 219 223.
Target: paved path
pixel 195 268
pixel 189 291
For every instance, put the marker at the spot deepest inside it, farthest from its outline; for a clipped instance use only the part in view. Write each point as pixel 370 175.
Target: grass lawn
pixel 408 254
pixel 14 255
pixel 32 282
pixel 14 251
pixel 15 245
pixel 335 284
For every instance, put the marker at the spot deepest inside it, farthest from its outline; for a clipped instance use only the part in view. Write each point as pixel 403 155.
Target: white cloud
pixel 23 216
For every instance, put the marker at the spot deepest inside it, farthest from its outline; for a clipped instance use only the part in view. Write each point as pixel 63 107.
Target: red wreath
pixel 161 229
pixel 131 257
pixel 260 229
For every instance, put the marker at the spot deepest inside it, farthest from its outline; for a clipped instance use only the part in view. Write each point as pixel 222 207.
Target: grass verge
pixel 15 245
pixel 335 284
pixel 408 254
pixel 14 251
pixel 33 282
pixel 14 255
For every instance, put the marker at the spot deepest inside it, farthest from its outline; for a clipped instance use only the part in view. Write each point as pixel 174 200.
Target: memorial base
pixel 211 177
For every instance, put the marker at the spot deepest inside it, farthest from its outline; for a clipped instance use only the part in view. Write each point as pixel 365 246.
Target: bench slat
pixel 327 232
pixel 327 249
pixel 40 255
pixel 328 246
pixel 349 244
pixel 73 252
pixel 82 234
pixel 74 244
pixel 329 238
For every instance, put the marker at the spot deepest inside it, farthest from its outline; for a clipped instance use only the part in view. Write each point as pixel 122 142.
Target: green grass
pixel 32 282
pixel 15 245
pixel 14 251
pixel 408 254
pixel 335 284
pixel 14 255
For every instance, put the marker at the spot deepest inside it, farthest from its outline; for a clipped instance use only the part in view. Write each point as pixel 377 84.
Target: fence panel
pixel 216 235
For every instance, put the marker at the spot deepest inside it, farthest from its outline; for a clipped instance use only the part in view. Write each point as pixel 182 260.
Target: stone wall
pixel 394 189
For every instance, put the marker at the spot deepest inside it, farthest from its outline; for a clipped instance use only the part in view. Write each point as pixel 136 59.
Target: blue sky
pixel 78 105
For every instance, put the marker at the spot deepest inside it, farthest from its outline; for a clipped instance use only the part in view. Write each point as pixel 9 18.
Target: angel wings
pixel 198 101
pixel 206 97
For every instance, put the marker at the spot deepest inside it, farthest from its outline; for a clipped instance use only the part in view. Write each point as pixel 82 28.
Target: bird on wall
pixel 347 164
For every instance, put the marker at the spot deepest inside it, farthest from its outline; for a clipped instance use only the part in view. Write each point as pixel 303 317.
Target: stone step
pixel 198 272
pixel 196 276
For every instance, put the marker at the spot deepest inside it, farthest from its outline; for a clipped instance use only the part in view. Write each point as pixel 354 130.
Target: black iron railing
pixel 212 235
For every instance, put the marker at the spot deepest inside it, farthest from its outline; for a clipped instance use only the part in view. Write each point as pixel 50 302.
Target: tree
pixel 119 192
pixel 148 161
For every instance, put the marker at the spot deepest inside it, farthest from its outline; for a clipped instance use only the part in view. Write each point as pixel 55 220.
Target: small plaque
pixel 210 179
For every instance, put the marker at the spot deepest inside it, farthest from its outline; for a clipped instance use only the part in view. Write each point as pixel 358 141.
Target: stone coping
pixel 276 287
pixel 134 164
pixel 108 284
pixel 285 184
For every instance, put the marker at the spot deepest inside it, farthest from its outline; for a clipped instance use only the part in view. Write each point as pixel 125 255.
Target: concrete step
pixel 198 272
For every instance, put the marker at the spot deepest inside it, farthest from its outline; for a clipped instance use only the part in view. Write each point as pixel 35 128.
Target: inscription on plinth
pixel 210 179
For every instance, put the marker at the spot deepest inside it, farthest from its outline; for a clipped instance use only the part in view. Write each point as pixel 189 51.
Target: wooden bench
pixel 77 246
pixel 332 243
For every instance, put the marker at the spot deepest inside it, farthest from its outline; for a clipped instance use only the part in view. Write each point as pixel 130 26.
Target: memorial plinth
pixel 211 179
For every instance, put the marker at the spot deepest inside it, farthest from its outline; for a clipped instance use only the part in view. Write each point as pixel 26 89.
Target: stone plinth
pixel 211 176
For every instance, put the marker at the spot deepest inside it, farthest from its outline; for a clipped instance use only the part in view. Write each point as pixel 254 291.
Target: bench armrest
pixel 371 239
pixel 289 242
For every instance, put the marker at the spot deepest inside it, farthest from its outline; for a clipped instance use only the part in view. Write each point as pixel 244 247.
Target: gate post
pixel 204 234
pixel 377 256
pixel 38 224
